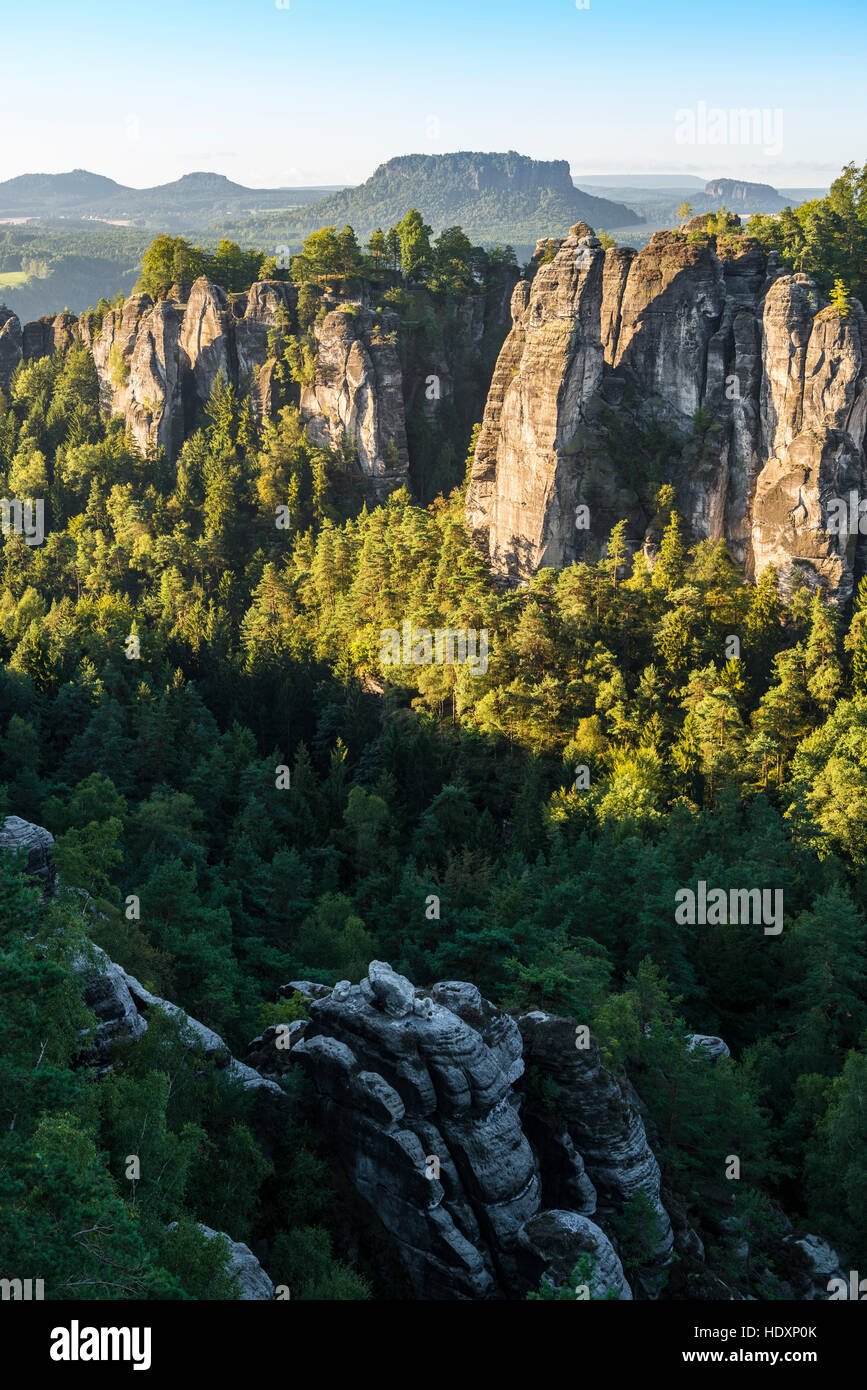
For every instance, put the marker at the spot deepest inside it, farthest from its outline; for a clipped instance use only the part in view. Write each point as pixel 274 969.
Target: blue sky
pixel 324 90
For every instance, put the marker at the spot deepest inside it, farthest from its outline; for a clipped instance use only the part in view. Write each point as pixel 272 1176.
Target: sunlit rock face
pixel 699 363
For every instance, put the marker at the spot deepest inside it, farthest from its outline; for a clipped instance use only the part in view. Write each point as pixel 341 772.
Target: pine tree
pixel 668 572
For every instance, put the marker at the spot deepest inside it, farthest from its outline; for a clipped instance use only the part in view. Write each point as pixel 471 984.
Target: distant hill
pixel 663 181
pixel 189 203
pixel 494 197
pixel 32 195
pixel 741 196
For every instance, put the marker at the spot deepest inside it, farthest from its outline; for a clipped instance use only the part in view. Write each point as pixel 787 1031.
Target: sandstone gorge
pixel 759 394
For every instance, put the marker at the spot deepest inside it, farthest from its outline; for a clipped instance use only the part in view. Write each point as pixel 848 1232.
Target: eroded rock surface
pixel 157 363
pixel 11 346
pixel 254 1283
pixel 357 393
pixel 597 1120
pixel 760 393
pixel 21 836
pixel 418 1092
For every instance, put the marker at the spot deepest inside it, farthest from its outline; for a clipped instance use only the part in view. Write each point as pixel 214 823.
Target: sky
pixel 276 93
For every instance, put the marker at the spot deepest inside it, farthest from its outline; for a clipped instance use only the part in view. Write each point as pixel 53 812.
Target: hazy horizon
pixel 309 93
pixel 608 177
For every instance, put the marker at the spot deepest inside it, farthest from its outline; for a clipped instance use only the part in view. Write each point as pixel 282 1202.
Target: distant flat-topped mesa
pixel 698 361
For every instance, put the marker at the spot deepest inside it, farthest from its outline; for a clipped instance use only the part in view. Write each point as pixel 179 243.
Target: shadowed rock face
pixel 11 345
pixel 419 1094
pixel 254 1283
pixel 597 1120
pixel 607 340
pixel 20 836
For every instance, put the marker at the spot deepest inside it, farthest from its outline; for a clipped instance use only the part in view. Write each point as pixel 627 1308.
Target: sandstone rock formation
pixel 17 835
pixel 11 346
pixel 119 1001
pixel 357 392
pixel 122 1004
pixel 760 393
pixel 157 363
pixel 714 1047
pixel 253 1282
pixel 419 1092
pixel 595 1134
pixel 824 1265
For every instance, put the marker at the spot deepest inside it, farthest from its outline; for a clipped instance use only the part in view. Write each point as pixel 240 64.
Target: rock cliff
pixel 11 346
pixel 420 1092
pixel 157 363
pixel 357 392
pixel 697 361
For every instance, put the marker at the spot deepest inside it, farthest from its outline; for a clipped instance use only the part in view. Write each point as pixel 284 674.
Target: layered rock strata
pixel 706 345
pixel 419 1092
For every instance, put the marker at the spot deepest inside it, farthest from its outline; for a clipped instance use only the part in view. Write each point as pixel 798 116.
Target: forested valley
pixel 283 804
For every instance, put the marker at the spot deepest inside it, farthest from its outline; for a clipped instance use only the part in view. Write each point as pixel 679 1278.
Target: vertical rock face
pixel 357 392
pixel 597 1121
pixel 137 363
pixel 206 344
pixel 256 313
pixel 761 396
pixel 157 363
pixel 10 346
pixel 419 1093
pixel 45 336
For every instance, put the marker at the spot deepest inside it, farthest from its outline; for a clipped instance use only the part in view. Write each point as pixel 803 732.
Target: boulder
pixel 714 1047
pixel 20 836
pixel 253 1282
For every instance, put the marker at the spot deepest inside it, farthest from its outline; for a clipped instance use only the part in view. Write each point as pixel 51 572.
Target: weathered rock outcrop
pixel 594 1122
pixel 20 836
pixel 254 1283
pixel 137 358
pixel 157 363
pixel 714 1047
pixel 762 396
pixel 122 1004
pixel 419 1093
pixel 357 393
pixel 11 346
pixel 119 1001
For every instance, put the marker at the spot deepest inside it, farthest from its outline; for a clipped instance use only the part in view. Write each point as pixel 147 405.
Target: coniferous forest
pixel 227 723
